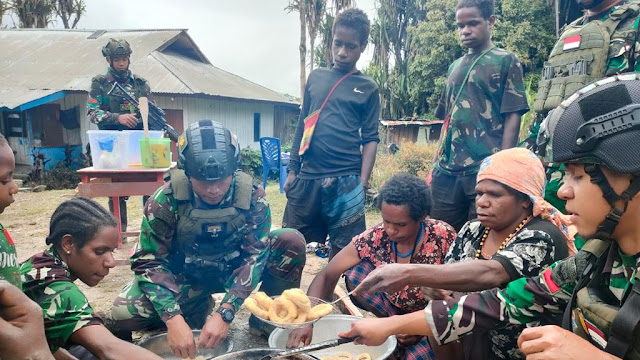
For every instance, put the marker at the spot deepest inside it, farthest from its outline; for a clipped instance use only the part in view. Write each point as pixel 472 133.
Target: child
pixel 9 269
pixel 328 173
pixel 83 236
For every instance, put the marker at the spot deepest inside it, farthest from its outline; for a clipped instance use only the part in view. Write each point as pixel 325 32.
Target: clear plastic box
pixel 109 148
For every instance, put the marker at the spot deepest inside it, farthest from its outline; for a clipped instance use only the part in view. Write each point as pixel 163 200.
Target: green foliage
pixel 251 162
pixel 413 158
pixel 531 82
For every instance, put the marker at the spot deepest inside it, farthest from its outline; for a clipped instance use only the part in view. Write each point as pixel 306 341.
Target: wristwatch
pixel 227 314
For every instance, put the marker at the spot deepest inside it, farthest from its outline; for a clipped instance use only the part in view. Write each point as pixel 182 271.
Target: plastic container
pixel 109 148
pixel 133 155
pixel 155 153
pixel 327 328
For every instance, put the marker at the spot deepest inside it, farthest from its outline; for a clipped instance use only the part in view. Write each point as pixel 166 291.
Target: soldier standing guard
pixel 205 231
pixel 113 112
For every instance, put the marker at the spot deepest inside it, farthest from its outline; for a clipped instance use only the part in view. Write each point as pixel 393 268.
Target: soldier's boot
pixel 272 286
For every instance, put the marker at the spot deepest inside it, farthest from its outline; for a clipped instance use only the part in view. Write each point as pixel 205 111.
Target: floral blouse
pixel 374 245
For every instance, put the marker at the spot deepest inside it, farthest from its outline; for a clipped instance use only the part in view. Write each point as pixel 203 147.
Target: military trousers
pixel 132 309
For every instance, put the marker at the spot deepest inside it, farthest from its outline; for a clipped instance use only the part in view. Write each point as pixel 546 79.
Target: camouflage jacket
pixel 154 259
pixel 9 267
pixel 494 89
pixel 103 110
pixel 528 299
pixel 47 281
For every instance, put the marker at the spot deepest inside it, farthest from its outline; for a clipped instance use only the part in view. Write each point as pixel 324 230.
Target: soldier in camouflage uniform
pixel 204 232
pixel 578 58
pixel 9 269
pixel 110 112
pixel 482 104
pixel 83 236
pixel 597 289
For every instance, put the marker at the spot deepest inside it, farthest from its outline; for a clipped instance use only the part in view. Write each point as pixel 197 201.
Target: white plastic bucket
pixel 327 328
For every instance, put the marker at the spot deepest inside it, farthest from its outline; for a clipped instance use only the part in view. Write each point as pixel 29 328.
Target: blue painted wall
pixel 56 155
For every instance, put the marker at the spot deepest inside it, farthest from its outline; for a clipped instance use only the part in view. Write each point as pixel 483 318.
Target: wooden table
pixel 119 183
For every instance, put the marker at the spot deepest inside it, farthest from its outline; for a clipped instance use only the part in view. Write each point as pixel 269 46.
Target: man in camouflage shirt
pixel 204 232
pixel 110 112
pixel 482 104
pixel 598 288
pixel 621 53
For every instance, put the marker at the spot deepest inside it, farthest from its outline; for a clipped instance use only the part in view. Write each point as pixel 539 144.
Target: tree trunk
pixel 303 46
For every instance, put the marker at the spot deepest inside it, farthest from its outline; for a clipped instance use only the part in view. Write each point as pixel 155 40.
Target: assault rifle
pixel 156 115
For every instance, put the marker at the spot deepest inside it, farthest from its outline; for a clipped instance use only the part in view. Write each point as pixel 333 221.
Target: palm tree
pixel 69 11
pixel 300 6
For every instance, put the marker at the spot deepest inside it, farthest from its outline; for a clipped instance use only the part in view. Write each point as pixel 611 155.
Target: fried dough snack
pixel 252 305
pixel 344 356
pixel 283 310
pixel 363 356
pixel 263 300
pixel 293 307
pixel 319 311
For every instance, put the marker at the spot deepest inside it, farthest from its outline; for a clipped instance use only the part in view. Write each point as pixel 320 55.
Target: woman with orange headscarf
pixel 516 234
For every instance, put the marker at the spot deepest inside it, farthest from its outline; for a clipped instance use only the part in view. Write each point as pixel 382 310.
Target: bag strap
pixel 334 87
pixel 466 77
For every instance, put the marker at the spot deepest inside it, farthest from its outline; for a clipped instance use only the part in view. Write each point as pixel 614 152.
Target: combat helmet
pixel 208 151
pixel 116 47
pixel 599 125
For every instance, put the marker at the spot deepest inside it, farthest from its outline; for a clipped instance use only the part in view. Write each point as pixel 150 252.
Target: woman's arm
pixel 375 331
pixel 104 345
pixel 463 276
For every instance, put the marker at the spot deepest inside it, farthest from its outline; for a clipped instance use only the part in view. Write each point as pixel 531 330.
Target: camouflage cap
pixel 116 47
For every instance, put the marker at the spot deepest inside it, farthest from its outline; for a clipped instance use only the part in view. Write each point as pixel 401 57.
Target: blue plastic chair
pixel 272 160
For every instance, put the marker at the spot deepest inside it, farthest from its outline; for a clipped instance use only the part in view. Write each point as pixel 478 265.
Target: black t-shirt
pixel 348 120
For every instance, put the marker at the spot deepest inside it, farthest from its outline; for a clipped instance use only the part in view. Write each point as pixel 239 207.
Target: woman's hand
pixel 301 335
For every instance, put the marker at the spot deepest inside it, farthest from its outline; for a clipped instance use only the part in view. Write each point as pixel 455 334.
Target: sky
pixel 255 39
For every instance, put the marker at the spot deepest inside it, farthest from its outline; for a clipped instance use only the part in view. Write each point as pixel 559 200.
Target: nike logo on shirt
pixel 357 91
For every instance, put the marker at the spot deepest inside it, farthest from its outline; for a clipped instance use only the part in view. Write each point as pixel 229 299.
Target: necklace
pixel 404 256
pixel 505 242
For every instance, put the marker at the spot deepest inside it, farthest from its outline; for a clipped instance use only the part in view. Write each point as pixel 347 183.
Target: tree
pixel 69 11
pixel 300 6
pixel 323 56
pixel 40 13
pixel 314 16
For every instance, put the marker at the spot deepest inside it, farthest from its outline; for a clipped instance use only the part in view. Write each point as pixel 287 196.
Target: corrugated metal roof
pixel 410 123
pixel 11 98
pixel 42 59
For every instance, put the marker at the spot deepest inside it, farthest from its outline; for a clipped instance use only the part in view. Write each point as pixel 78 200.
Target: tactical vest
pixel 581 55
pixel 210 239
pixel 118 105
pixel 594 319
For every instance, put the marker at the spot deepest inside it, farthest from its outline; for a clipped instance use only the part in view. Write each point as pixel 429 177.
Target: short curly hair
pixel 408 190
pixel 356 20
pixel 486 7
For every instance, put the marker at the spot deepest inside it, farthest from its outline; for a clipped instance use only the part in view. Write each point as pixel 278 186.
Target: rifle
pixel 156 115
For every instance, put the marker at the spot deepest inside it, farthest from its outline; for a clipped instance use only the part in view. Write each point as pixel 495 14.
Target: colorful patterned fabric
pixel 521 170
pixel 374 246
pixel 48 282
pixel 494 88
pixel 384 306
pixel 538 244
pixel 528 299
pixel 103 110
pixel 9 267
pixel 158 264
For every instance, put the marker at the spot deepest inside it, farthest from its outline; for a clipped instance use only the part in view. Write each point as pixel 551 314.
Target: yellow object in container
pixel 155 153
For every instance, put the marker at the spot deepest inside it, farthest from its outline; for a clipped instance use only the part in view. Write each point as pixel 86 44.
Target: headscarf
pixel 521 170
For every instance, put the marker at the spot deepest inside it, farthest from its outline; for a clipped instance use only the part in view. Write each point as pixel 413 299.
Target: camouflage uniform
pixel 47 281
pixel 103 110
pixel 494 89
pixel 163 287
pixel 624 49
pixel 530 299
pixel 9 268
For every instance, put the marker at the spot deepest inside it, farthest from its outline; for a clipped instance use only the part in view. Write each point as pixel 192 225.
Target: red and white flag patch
pixel 571 42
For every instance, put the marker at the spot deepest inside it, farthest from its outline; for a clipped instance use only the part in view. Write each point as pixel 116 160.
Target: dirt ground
pixel 27 219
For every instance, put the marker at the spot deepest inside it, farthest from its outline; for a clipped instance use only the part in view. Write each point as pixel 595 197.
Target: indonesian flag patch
pixel 571 42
